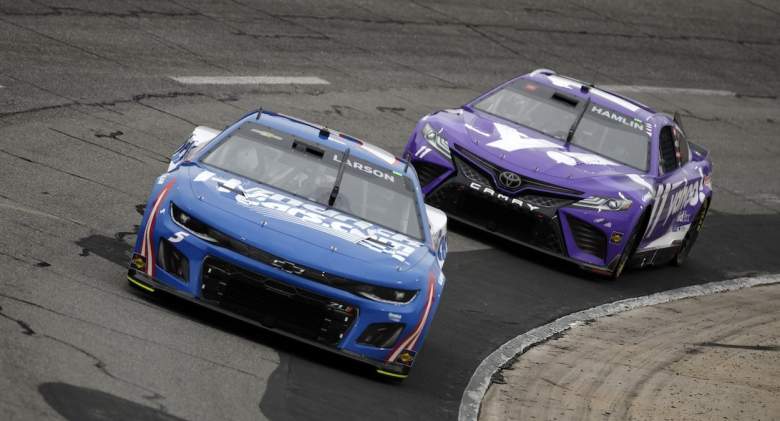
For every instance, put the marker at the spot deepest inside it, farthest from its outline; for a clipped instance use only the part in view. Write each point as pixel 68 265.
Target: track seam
pixel 480 381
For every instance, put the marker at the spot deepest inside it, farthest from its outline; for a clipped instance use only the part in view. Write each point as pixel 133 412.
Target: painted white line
pixel 9 205
pixel 665 90
pixel 250 80
pixel 480 380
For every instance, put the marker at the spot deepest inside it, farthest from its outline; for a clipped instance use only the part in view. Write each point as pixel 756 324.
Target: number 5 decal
pixel 178 237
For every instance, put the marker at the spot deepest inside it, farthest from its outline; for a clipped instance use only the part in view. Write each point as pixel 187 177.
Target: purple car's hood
pixel 524 150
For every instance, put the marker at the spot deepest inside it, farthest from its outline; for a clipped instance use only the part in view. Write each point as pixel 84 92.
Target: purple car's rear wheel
pixel 692 235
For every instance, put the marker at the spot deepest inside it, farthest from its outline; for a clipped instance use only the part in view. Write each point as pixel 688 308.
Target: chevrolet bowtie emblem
pixel 288 267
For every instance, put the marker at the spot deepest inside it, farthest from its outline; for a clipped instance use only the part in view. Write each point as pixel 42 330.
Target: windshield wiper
pixel 236 189
pixel 576 123
pixel 337 185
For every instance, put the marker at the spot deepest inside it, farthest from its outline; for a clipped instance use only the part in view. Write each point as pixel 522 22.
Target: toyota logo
pixel 510 180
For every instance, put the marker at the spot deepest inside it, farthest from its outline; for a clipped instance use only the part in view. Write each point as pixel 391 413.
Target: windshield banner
pixel 326 220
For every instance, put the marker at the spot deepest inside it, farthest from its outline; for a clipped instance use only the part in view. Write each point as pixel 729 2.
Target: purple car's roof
pixel 603 98
pixel 573 87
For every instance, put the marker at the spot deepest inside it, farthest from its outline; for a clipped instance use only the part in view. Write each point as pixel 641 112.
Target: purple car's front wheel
pixel 626 256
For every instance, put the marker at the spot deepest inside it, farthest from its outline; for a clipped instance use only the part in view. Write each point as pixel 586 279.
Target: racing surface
pixel 89 114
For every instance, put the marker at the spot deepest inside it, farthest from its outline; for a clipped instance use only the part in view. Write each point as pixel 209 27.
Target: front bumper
pixel 266 296
pixel 146 283
pixel 537 215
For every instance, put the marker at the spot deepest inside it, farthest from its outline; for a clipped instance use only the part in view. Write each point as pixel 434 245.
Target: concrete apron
pixel 707 357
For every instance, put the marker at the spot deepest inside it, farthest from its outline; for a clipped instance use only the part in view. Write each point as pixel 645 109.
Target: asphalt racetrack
pixel 90 111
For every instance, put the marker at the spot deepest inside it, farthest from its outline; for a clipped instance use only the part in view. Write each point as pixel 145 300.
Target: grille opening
pixel 173 261
pixel 275 304
pixel 427 172
pixel 527 182
pixel 505 219
pixel 470 155
pixel 588 238
pixel 547 200
pixel 471 172
pixel 381 335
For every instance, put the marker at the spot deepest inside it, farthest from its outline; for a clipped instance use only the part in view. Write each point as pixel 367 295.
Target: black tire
pixel 631 246
pixel 691 236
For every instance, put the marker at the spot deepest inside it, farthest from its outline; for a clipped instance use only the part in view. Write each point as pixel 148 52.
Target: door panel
pixel 678 197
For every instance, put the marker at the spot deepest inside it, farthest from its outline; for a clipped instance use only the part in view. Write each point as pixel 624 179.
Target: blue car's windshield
pixel 602 130
pixel 308 170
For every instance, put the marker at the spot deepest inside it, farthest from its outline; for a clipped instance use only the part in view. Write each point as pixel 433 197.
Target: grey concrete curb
pixel 480 381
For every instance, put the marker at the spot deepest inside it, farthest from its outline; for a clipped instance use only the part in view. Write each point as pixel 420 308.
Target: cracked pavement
pixel 89 115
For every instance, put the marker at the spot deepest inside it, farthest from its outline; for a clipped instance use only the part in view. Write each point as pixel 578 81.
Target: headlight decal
pixel 384 295
pixel 604 203
pixel 436 140
pixel 191 224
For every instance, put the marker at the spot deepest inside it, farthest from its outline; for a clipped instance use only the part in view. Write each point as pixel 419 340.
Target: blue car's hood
pixel 303 231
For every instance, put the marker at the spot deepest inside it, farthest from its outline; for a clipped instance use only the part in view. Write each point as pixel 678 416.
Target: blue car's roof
pixel 379 158
pixel 328 137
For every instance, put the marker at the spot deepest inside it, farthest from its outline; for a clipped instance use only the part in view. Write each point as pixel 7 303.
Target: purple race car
pixel 568 169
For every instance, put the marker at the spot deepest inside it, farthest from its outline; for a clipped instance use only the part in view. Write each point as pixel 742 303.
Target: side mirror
pixel 437 221
pixel 199 138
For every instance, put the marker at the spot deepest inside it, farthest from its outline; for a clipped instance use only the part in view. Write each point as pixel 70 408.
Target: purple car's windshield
pixel 602 130
pixel 614 135
pixel 277 159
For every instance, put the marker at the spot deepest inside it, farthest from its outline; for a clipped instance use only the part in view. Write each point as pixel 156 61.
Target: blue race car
pixel 302 230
